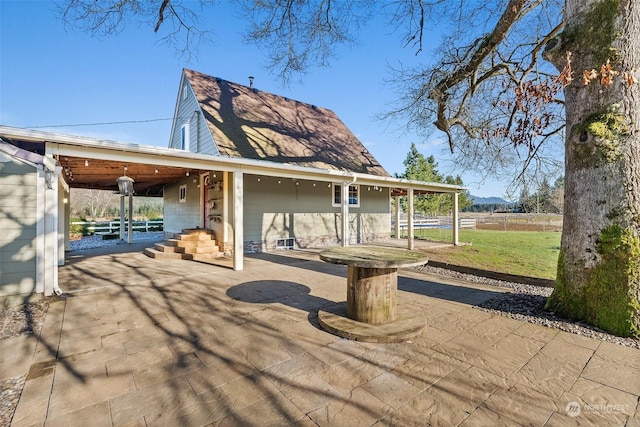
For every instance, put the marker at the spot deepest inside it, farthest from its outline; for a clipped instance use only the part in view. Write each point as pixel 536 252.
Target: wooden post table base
pixel 372 294
pixel 372 288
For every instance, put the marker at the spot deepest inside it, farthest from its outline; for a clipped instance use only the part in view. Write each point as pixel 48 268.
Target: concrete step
pixel 190 243
pixel 197 250
pixel 197 231
pixel 206 257
pixel 153 253
pixel 194 237
pixel 164 248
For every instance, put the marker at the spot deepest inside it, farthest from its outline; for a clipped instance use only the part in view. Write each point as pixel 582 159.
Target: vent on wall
pixel 285 244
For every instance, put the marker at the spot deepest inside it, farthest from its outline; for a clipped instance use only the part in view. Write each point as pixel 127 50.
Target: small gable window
pixel 184 92
pixel 182 196
pixel 184 137
pixel 354 195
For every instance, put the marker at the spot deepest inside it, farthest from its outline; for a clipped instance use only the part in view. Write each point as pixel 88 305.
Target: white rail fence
pixel 107 227
pixel 444 222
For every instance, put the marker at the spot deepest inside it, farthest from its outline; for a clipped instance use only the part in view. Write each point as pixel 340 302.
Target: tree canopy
pixel 490 50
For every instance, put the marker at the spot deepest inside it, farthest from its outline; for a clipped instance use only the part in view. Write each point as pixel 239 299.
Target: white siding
pixel 188 111
pixel 18 217
pixel 178 216
pixel 304 212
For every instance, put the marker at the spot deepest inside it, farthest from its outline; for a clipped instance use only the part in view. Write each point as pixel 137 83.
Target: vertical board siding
pixel 18 217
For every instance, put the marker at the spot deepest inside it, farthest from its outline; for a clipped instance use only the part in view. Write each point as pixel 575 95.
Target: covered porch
pixel 90 163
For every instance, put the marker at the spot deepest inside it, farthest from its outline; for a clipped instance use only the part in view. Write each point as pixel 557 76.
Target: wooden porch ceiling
pixel 98 174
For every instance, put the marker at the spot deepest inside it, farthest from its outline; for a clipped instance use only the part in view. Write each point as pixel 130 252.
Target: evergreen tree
pixel 421 168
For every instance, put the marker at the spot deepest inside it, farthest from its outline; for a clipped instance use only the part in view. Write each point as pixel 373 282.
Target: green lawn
pixel 525 253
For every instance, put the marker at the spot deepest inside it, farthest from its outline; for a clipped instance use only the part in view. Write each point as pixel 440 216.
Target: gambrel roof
pixel 249 123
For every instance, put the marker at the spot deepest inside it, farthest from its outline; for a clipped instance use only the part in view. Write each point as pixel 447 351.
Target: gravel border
pixel 526 303
pixel 95 241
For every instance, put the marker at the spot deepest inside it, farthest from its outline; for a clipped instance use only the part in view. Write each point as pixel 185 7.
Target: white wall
pixel 178 216
pixel 278 208
pixel 18 218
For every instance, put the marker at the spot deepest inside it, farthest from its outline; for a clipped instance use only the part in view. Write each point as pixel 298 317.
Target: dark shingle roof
pixel 254 124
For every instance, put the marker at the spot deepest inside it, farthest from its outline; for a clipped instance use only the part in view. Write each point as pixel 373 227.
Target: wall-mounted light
pixel 65 200
pixel 156 171
pixel 187 173
pixel 258 179
pixel 86 162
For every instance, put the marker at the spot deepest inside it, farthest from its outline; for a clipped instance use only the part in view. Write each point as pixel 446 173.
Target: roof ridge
pixel 257 90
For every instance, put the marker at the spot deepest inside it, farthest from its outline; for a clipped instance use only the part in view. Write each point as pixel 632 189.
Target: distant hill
pixel 489 200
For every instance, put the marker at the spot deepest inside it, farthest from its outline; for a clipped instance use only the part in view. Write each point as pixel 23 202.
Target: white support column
pixel 63 219
pixel 456 220
pixel 344 198
pixel 121 217
pixel 410 244
pixel 41 271
pixel 227 214
pixel 238 221
pixel 67 220
pixel 130 229
pixel 47 231
pixel 397 231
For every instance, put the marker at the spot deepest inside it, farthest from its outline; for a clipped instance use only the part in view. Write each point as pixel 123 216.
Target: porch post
pixel 63 219
pixel 344 198
pixel 238 221
pixel 410 244
pixel 47 231
pixel 121 216
pixel 130 228
pixel 397 230
pixel 455 218
pixel 67 219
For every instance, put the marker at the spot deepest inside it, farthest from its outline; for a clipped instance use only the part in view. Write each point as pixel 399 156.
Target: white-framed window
pixel 185 90
pixel 182 196
pixel 184 137
pixel 354 195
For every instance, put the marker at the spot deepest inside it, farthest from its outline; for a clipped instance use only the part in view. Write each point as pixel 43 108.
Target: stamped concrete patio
pixel 160 342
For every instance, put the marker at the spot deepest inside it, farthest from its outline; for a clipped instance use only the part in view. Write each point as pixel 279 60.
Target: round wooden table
pixel 372 279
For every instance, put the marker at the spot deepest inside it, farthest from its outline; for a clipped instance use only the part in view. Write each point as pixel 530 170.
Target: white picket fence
pixel 94 227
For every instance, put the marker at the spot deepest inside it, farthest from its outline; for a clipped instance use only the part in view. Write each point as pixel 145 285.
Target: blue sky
pixel 51 76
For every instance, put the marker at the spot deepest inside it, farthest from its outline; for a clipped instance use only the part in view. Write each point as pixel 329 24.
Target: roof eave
pixel 73 145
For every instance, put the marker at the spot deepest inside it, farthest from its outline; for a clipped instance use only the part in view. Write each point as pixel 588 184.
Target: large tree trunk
pixel 599 265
